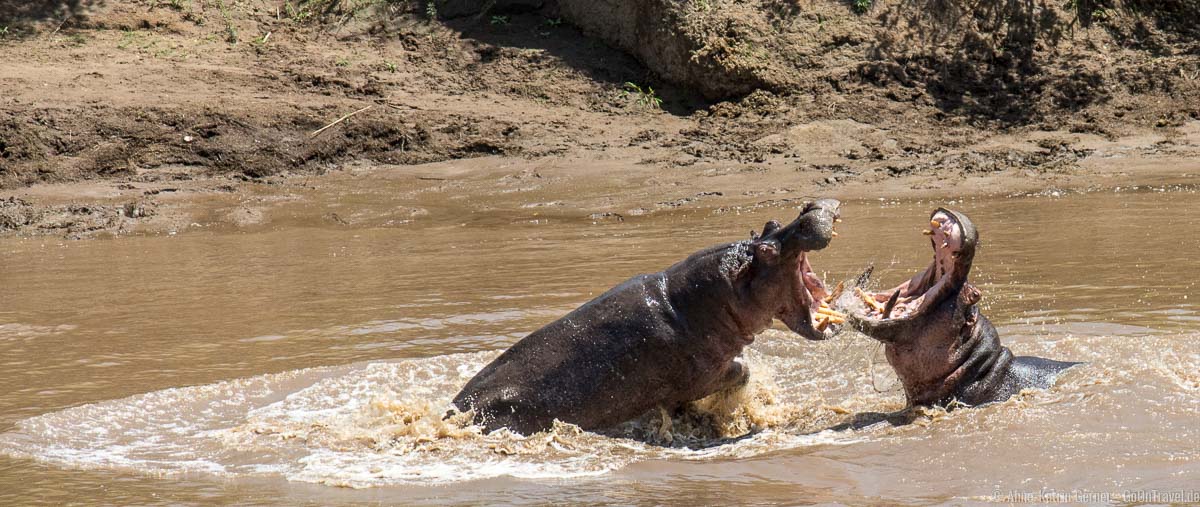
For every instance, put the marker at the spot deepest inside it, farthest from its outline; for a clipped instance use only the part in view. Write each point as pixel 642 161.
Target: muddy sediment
pixel 161 105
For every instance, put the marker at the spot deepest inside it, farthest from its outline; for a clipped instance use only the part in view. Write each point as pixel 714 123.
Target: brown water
pixel 309 365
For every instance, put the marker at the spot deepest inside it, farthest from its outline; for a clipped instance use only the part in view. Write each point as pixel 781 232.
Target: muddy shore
pixel 136 117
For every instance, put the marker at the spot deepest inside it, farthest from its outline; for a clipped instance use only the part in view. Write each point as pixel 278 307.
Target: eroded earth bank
pixel 160 116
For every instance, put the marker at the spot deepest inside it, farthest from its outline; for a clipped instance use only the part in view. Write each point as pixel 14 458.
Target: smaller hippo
pixel 941 347
pixel 662 339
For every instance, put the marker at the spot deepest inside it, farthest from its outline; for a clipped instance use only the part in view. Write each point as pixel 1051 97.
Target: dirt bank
pixel 151 116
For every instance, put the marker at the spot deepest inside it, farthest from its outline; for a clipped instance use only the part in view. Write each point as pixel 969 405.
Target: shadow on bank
pixel 19 17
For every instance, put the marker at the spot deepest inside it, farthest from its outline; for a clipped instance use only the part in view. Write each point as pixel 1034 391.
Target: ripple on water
pixel 28 332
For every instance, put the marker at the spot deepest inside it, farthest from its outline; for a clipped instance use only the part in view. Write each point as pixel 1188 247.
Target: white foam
pixel 355 426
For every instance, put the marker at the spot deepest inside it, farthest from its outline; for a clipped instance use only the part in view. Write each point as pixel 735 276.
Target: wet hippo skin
pixel 941 347
pixel 661 339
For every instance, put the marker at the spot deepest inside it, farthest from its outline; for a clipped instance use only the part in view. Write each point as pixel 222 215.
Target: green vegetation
pixel 500 20
pixel 642 97
pixel 390 67
pixel 1094 10
pixel 231 33
pixel 341 11
pixel 554 22
pixel 297 13
pixel 179 5
pixel 261 40
pixel 862 6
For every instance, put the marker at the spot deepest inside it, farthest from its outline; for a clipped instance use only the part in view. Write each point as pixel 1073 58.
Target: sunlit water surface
pixel 313 365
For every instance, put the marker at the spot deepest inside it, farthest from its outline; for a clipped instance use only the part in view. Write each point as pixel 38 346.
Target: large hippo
pixel 941 347
pixel 662 339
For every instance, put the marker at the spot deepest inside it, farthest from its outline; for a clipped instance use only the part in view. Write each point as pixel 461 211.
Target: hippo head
pixel 899 314
pixel 780 279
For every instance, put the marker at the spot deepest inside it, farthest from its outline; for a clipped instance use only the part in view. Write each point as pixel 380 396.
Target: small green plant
pixel 500 20
pixel 431 10
pixel 554 22
pixel 231 33
pixel 174 4
pixel 261 40
pixel 862 6
pixel 295 13
pixel 3 31
pixel 390 67
pixel 342 62
pixel 701 5
pixel 642 97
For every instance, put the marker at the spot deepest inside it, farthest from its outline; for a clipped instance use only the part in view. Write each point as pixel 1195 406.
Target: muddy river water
pixel 311 365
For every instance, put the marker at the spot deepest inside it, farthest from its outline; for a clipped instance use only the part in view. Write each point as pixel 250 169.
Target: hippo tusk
pixel 927 232
pixel 891 304
pixel 837 291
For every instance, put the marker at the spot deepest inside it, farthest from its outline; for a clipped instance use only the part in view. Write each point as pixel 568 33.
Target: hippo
pixel 662 339
pixel 943 350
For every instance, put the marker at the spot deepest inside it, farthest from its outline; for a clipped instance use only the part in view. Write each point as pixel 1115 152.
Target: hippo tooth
pixel 830 312
pixel 927 232
pixel 870 301
pixel 835 234
pixel 935 224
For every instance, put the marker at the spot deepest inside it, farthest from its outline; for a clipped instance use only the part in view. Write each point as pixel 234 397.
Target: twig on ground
pixel 60 25
pixel 337 121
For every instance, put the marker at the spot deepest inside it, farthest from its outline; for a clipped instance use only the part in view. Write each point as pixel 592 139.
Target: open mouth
pixel 816 297
pixel 913 297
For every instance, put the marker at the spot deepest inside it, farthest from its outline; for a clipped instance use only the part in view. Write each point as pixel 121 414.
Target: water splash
pixel 385 423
